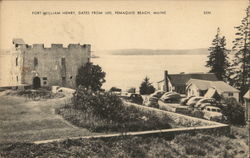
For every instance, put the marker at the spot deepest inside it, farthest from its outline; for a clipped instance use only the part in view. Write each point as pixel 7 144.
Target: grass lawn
pixel 183 146
pixel 26 120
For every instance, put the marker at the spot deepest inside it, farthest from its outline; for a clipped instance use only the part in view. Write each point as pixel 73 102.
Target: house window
pixel 44 82
pixel 16 61
pixel 35 62
pixel 230 94
pixel 17 78
pixel 44 78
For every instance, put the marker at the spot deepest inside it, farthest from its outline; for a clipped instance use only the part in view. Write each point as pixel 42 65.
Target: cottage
pixel 40 67
pixel 247 104
pixel 177 82
pixel 211 89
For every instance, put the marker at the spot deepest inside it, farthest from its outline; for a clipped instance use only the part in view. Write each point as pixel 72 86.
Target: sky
pixel 184 26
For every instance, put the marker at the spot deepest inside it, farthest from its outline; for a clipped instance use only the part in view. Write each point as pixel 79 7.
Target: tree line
pixel 237 71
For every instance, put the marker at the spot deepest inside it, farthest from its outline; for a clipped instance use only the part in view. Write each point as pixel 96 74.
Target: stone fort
pixel 43 67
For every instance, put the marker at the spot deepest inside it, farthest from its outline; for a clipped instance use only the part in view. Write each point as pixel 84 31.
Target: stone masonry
pixel 43 67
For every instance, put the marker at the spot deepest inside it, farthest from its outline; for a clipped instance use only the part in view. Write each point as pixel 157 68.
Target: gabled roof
pixel 247 95
pixel 18 41
pixel 223 87
pixel 160 81
pixel 210 93
pixel 220 86
pixel 182 79
pixel 200 84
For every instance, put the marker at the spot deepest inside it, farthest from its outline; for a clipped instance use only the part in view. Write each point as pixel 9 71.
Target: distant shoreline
pixel 160 54
pixel 200 51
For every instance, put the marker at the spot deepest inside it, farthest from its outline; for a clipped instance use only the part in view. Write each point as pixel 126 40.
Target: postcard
pixel 124 78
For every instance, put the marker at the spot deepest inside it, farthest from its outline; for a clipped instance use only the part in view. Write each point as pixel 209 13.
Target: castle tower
pixel 17 61
pixel 41 66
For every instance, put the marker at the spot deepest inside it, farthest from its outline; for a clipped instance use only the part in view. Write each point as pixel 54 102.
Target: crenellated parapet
pixel 20 44
pixel 56 46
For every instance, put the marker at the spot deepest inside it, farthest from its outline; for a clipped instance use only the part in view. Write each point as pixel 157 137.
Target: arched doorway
pixel 36 82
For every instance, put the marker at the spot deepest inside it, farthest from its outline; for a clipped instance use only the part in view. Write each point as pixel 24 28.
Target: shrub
pixel 103 111
pixel 103 105
pixel 234 111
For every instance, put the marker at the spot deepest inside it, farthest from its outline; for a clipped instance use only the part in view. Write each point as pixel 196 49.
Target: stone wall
pixel 16 65
pixel 192 125
pixel 189 124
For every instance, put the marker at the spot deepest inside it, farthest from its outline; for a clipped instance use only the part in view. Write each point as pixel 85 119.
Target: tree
pixel 218 59
pixel 146 87
pixel 241 79
pixel 90 76
pixel 234 111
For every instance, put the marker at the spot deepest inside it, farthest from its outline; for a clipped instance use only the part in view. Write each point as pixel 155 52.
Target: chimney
pixel 166 81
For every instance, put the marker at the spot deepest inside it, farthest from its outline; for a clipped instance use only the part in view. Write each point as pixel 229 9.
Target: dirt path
pixel 26 121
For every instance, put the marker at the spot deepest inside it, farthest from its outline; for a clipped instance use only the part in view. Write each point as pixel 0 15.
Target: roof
pixel 220 86
pixel 210 93
pixel 160 81
pixel 223 87
pixel 18 41
pixel 247 95
pixel 200 84
pixel 182 79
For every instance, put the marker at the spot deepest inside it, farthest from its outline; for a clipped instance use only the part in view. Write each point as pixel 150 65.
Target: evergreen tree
pixel 241 60
pixel 146 87
pixel 90 76
pixel 218 59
